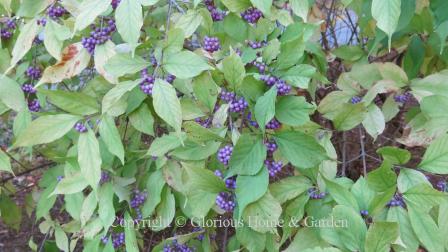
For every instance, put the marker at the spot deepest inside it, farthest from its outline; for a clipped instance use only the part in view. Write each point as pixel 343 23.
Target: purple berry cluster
pixel 282 87
pixel 364 213
pixel 227 96
pixel 269 80
pixel 34 105
pixel 56 11
pixel 230 182
pixel 315 194
pixel 403 98
pixel 224 154
pixel 147 83
pixel 33 72
pixel 271 146
pixel 396 201
pixel 42 21
pixel 256 44
pixel 355 99
pixel 115 3
pixel 273 124
pixel 138 199
pixel 211 44
pixel 99 35
pixel 118 239
pixel 8 29
pixel 225 201
pixel 441 185
pixel 200 237
pixel 262 67
pixel 177 247
pixel 252 122
pixel 80 127
pixel 28 88
pixel 206 122
pixel 105 177
pixel 238 105
pixel 251 15
pixel 170 78
pixel 273 167
pixel 217 15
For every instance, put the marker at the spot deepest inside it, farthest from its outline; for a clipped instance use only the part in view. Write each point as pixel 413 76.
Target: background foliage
pixel 244 110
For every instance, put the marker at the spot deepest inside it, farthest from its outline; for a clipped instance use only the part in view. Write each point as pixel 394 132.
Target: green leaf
pixel 394 155
pixel 300 8
pixel 142 120
pixel 205 90
pixel 341 195
pixel 197 133
pixel 300 149
pixel 248 156
pixel 5 163
pixel 374 123
pixel 265 107
pixel 11 213
pixel 88 207
pixel 236 5
pixel 200 179
pixel 154 185
pixel 73 102
pixel 24 41
pixel 349 116
pixel 166 104
pixel 194 151
pixel 426 230
pixel 233 69
pixel 250 239
pixel 263 5
pixel 407 235
pixel 123 63
pixel 129 234
pixel 106 210
pixel 293 110
pixel 111 137
pixel 189 22
pixel 61 239
pixel 89 11
pixel 162 145
pixel 380 236
pixel 235 27
pixel 352 234
pixel 265 210
pixel 290 53
pixel 30 8
pixel 129 20
pixel 250 188
pixel 349 53
pixel 73 203
pixel 413 59
pixel 89 158
pixel 101 56
pixel 434 84
pixel 46 129
pixel 382 178
pixel 55 34
pixel 114 96
pixel 289 188
pixel 423 196
pixel 435 158
pixel 165 211
pixel 299 75
pixel 386 13
pixel 70 184
pixel 409 178
pixel 185 64
pixel 11 94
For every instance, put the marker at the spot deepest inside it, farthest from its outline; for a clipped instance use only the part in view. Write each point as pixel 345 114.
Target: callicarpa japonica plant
pixel 224 125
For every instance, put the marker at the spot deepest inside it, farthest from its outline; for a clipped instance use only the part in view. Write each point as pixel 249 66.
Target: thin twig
pixel 344 154
pixel 224 240
pixel 26 172
pixel 363 152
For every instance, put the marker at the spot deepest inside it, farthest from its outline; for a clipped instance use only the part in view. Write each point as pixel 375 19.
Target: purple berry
pixel 441 185
pixel 396 201
pixel 42 21
pixel 138 199
pixel 55 12
pixel 282 87
pixel 28 88
pixel 34 105
pixel 206 122
pixel 99 35
pixel 356 99
pixel 224 154
pixel 170 78
pixel 273 167
pixel 33 72
pixel 238 105
pixel 211 44
pixel 315 194
pixel 251 15
pixel 218 173
pixel 403 98
pixel 118 240
pixel 273 124
pixel 260 66
pixel 80 127
pixel 225 201
pixel 104 177
pixel 59 178
pixel 269 80
pixel 271 146
pixel 231 183
pixel 252 122
pixel 364 213
pixel 115 3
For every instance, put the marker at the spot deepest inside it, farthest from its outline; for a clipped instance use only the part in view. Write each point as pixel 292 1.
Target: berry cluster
pixel 230 182
pixel 177 247
pixel 224 154
pixel 115 3
pixel 170 78
pixel 355 99
pixel 441 185
pixel 252 122
pixel 256 44
pixel 273 167
pixel 211 44
pixel 99 35
pixel 227 96
pixel 269 80
pixel 271 146
pixel 138 199
pixel 206 122
pixel 251 15
pixel 28 88
pixel 147 83
pixel 225 201
pixel 42 21
pixel 238 105
pixel 80 127
pixel 200 237
pixel 364 213
pixel 33 72
pixel 282 87
pixel 34 105
pixel 315 194
pixel 118 239
pixel 403 98
pixel 396 201
pixel 104 177
pixel 217 15
pixel 262 67
pixel 273 124
pixel 55 12
pixel 8 29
